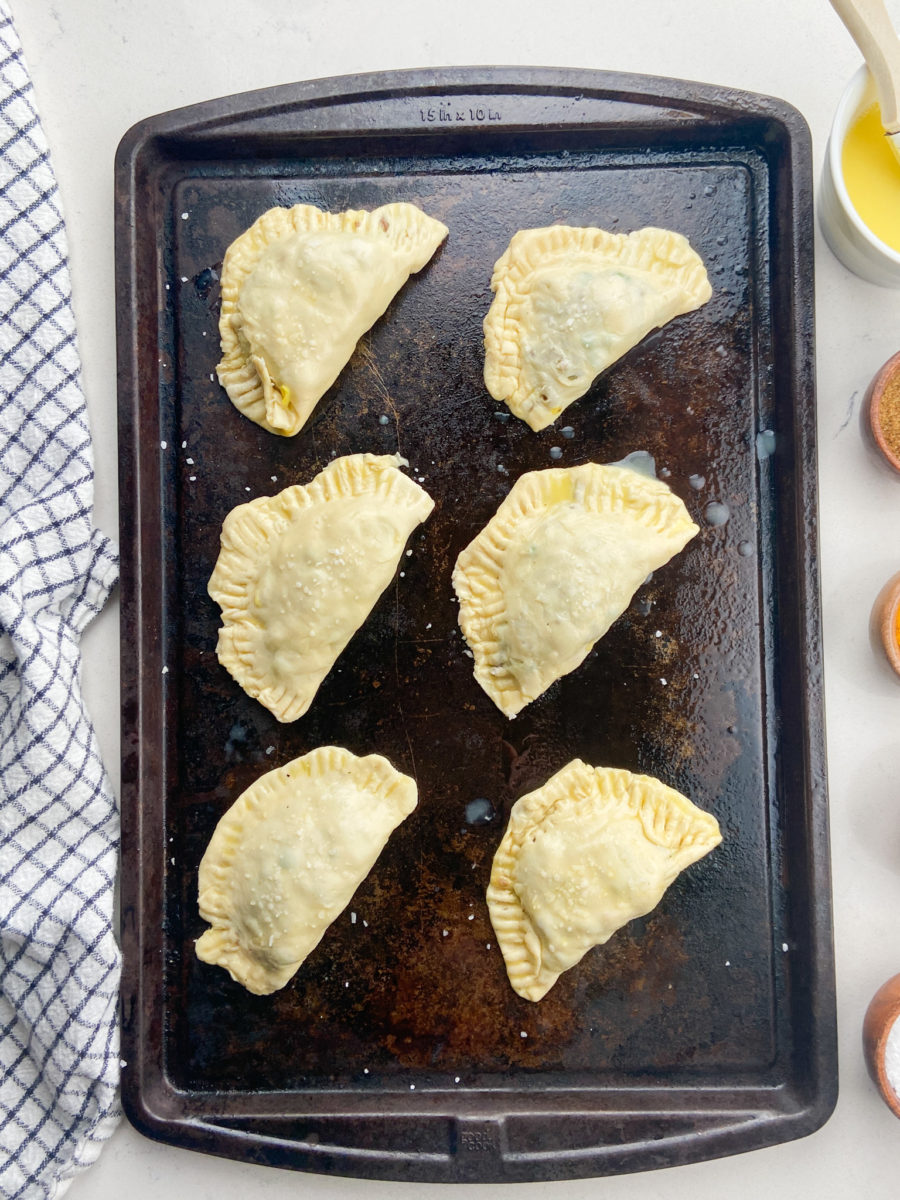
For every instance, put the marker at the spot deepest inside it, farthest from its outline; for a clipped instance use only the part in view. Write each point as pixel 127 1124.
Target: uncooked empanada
pixel 299 288
pixel 288 855
pixel 300 571
pixel 570 301
pixel 581 856
pixel 555 566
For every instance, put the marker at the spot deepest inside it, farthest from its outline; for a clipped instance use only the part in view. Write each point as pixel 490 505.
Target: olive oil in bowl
pixel 872 176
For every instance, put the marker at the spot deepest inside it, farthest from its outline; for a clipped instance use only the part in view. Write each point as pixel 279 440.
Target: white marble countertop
pixel 100 65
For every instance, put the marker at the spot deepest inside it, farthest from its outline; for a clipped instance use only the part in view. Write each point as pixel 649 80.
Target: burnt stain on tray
pixel 407 989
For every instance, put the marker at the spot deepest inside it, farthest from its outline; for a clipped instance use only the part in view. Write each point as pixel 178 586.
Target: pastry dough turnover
pixel 299 289
pixel 581 856
pixel 556 565
pixel 299 572
pixel 286 858
pixel 570 301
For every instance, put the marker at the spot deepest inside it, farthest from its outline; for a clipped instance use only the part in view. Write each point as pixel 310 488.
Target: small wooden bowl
pixel 882 411
pixel 883 1012
pixel 884 624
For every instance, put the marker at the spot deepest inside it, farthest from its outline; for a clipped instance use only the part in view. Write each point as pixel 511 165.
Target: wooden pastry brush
pixel 870 27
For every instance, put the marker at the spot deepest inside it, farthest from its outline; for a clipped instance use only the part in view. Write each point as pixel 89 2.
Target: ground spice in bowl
pixel 889 413
pixel 884 623
pixel 882 409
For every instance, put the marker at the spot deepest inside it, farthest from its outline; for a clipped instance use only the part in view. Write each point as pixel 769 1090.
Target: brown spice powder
pixel 889 413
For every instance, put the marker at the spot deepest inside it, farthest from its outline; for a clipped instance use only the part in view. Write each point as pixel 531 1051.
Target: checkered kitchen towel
pixel 59 963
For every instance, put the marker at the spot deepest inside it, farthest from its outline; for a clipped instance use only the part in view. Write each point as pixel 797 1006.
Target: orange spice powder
pixel 889 413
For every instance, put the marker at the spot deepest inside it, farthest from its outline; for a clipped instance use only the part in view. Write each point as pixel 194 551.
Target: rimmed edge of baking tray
pixel 481 1139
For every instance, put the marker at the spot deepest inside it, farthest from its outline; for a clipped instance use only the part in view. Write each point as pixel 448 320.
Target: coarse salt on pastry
pixel 569 301
pixel 589 851
pixel 557 563
pixel 299 572
pixel 287 856
pixel 299 289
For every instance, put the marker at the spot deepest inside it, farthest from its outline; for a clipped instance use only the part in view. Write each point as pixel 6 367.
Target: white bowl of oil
pixel 859 200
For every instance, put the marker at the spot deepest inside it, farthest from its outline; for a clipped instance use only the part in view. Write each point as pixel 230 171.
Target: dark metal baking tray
pixel 399 1049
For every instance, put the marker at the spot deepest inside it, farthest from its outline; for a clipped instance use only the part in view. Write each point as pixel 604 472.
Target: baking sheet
pixel 399 1049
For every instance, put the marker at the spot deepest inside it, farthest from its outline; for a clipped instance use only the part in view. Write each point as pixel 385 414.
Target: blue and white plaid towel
pixel 59 963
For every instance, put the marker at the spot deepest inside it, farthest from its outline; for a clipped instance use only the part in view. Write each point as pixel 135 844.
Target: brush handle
pixel 870 27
